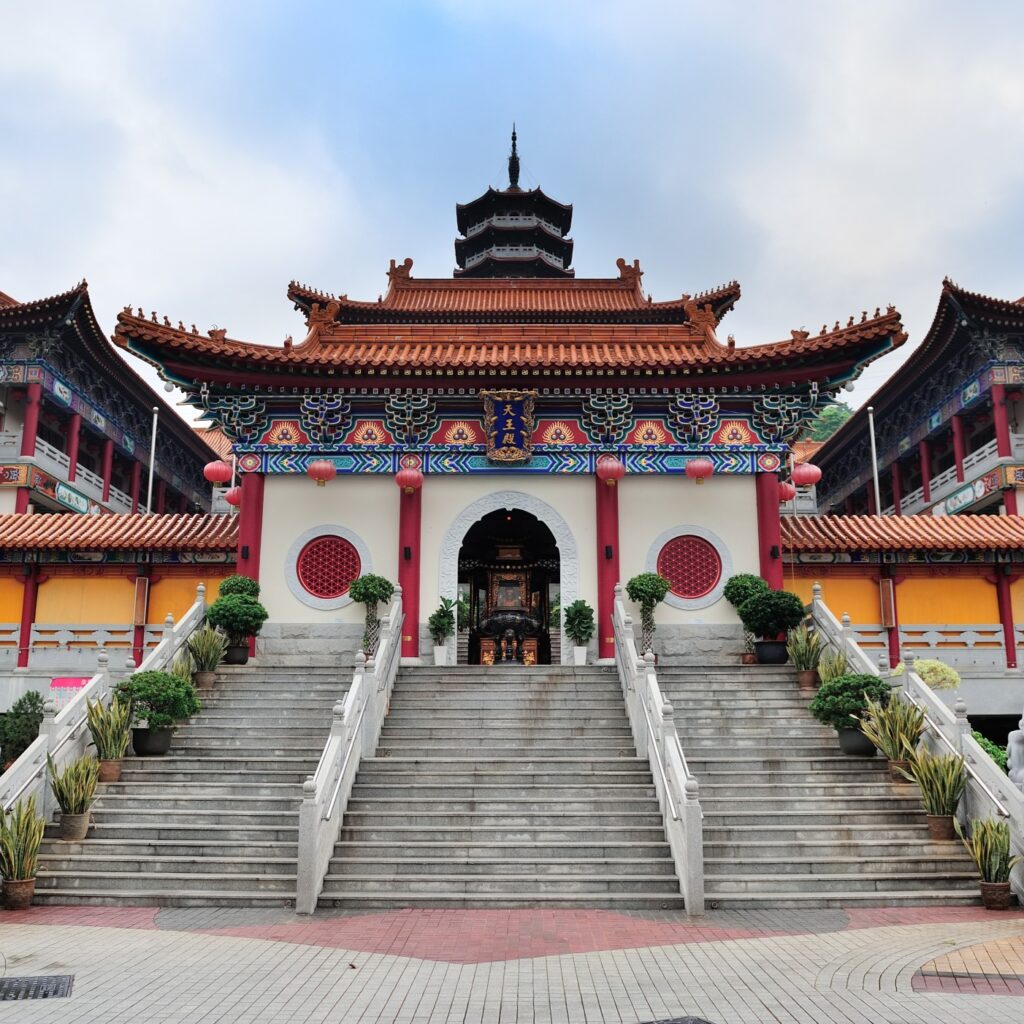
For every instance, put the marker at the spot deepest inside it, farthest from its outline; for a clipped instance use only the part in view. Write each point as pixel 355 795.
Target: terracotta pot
pixel 894 771
pixel 807 678
pixel 748 658
pixel 204 680
pixel 996 895
pixel 110 771
pixel 151 742
pixel 853 741
pixel 73 827
pixel 940 828
pixel 771 652
pixel 236 654
pixel 18 893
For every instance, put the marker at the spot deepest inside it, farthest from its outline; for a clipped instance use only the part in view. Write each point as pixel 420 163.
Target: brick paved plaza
pixel 737 967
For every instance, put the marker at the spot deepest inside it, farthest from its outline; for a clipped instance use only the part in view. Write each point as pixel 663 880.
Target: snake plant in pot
pixel 75 790
pixel 842 702
pixel 770 615
pixel 989 847
pixel 895 728
pixel 21 832
pixel 804 649
pixel 109 729
pixel 161 700
pixel 206 647
pixel 942 779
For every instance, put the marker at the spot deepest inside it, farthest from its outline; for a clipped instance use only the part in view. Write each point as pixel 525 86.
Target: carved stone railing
pixel 355 730
pixel 962 645
pixel 64 732
pixel 654 733
pixel 990 791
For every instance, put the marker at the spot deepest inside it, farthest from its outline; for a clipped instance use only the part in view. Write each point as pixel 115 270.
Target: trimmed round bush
pixel 742 586
pixel 239 616
pixel 769 613
pixel 160 699
pixel 244 585
pixel 843 702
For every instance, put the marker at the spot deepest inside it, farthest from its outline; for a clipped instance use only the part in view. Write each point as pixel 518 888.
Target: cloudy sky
pixel 193 157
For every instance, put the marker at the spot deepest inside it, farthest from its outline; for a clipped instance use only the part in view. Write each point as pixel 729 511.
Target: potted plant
pixel 771 614
pixel 21 832
pixel 579 628
pixel 371 590
pixel 244 585
pixel 895 728
pixel 206 648
pixel 648 590
pixel 737 589
pixel 161 700
pixel 841 703
pixel 441 625
pixel 989 847
pixel 942 780
pixel 75 790
pixel 804 650
pixel 109 728
pixel 239 617
pixel 832 665
pixel 19 728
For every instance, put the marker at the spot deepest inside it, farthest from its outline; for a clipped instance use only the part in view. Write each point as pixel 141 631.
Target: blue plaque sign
pixel 508 424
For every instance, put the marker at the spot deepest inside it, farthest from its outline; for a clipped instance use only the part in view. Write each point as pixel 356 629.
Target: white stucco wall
pixel 725 505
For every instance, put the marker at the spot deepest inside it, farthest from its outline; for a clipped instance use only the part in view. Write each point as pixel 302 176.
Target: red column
pixel 897 488
pixel 250 531
pixel 33 403
pixel 924 455
pixel 28 614
pixel 160 499
pixel 1010 501
pixel 607 505
pixel 959 445
pixel 410 514
pixel 769 528
pixel 1006 616
pixel 108 467
pixel 74 435
pixel 1001 421
pixel 136 484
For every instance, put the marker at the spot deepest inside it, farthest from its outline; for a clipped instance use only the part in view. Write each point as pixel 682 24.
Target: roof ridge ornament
pixel 513 162
pixel 400 271
pixel 629 274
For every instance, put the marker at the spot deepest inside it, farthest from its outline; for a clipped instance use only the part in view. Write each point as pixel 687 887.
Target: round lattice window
pixel 327 565
pixel 691 565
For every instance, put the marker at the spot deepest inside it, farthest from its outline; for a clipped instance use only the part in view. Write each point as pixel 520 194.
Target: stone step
pixel 416 806
pixel 719 832
pixel 716 803
pixel 244 751
pixel 520 897
pixel 784 850
pixel 384 852
pixel 840 898
pixel 184 881
pixel 729 818
pixel 525 719
pixel 565 867
pixel 482 733
pixel 505 750
pixel 763 734
pixel 202 802
pixel 770 750
pixel 567 885
pixel 161 864
pixel 170 896
pixel 160 830
pixel 205 788
pixel 703 763
pixel 526 818
pixel 173 762
pixel 143 849
pixel 473 704
pixel 551 790
pixel 146 817
pixel 482 777
pixel 473 831
pixel 717 885
pixel 838 866
pixel 873 786
pixel 201 776
pixel 543 765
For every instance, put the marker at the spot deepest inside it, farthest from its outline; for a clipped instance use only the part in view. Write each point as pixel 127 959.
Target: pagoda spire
pixel 513 163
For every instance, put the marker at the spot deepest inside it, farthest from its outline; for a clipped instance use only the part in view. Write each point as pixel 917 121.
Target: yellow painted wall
pixel 11 589
pixel 68 600
pixel 959 599
pixel 843 594
pixel 175 594
pixel 1017 599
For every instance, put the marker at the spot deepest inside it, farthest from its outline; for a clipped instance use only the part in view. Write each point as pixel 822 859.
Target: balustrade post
pixel 845 633
pixel 693 838
pixel 306 880
pixel 963 726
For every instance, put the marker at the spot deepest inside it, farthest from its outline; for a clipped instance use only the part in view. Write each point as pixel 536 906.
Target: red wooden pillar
pixel 1001 421
pixel 896 474
pixel 73 433
pixel 959 445
pixel 29 595
pixel 136 484
pixel 607 506
pixel 108 467
pixel 1003 581
pixel 160 501
pixel 769 528
pixel 33 404
pixel 250 531
pixel 924 455
pixel 410 515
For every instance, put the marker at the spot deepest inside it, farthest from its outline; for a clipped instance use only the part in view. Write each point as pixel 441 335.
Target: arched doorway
pixel 509 591
pixel 510 501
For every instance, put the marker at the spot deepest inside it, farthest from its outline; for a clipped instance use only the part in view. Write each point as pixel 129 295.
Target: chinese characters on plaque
pixel 508 423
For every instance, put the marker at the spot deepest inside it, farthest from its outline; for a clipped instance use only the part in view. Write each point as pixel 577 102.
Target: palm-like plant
pixel 206 648
pixel 21 832
pixel 75 787
pixel 989 847
pixel 895 728
pixel 109 728
pixel 804 648
pixel 942 779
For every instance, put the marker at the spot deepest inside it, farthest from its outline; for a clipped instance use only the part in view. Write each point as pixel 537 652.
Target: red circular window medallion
pixel 691 565
pixel 327 566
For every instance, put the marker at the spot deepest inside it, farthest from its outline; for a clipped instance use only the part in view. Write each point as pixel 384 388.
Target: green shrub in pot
pixel 742 586
pixel 244 585
pixel 579 628
pixel 769 614
pixel 161 700
pixel 842 704
pixel 239 617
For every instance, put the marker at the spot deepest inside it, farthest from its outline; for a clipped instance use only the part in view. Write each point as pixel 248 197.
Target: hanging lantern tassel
pixel 217 472
pixel 787 492
pixel 321 471
pixel 409 479
pixel 610 469
pixel 699 469
pixel 234 496
pixel 806 474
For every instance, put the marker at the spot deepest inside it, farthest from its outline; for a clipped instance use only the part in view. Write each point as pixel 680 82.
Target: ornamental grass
pixel 75 787
pixel 942 779
pixel 21 832
pixel 109 728
pixel 804 648
pixel 206 648
pixel 989 847
pixel 832 665
pixel 895 728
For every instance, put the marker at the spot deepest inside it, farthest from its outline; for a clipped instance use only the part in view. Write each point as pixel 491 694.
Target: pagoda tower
pixel 513 232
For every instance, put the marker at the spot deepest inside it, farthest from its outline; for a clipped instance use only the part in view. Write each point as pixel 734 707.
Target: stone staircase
pixel 214 822
pixel 789 821
pixel 503 787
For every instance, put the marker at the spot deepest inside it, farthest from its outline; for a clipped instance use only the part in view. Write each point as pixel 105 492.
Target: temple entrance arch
pixel 514 503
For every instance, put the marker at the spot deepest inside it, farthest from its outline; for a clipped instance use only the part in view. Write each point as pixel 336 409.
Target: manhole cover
pixel 56 986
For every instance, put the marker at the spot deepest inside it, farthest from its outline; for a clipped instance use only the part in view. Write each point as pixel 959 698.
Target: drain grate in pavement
pixel 54 986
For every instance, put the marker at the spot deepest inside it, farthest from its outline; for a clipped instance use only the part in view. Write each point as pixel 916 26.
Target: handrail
pixel 989 790
pixel 62 733
pixel 355 729
pixel 654 733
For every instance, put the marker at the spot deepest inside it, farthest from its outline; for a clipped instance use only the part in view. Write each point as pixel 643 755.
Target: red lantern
pixel 234 496
pixel 787 492
pixel 610 469
pixel 321 471
pixel 699 469
pixel 409 479
pixel 806 474
pixel 218 472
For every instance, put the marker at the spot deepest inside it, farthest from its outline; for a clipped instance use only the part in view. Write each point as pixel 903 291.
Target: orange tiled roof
pixel 902 533
pixel 6 301
pixel 804 451
pixel 139 532
pixel 216 439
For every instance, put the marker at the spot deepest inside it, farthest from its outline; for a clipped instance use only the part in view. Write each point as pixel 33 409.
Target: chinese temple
pixel 550 436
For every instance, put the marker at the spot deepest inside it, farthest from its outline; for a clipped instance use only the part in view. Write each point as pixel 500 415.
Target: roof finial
pixel 513 162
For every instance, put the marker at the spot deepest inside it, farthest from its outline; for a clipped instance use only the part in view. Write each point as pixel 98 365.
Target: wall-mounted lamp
pixel 407 553
pixel 245 552
pixel 773 551
pixel 609 551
